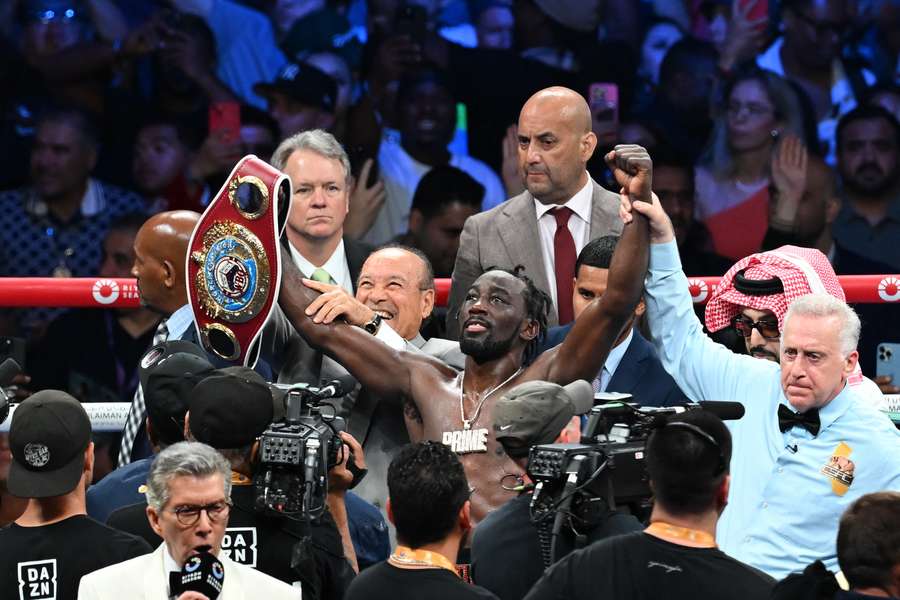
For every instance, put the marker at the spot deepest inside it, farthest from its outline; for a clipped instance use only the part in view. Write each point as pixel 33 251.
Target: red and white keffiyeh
pixel 800 270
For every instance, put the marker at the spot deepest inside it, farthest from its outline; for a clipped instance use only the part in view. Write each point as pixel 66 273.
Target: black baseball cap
pixel 303 83
pixel 535 412
pixel 47 437
pixel 168 373
pixel 230 408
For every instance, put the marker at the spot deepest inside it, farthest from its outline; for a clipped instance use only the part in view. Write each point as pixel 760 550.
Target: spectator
pixel 555 143
pixel 444 199
pixel 868 547
pixel 259 132
pixel 333 65
pixel 110 341
pixel 660 35
pixel 429 505
pixel 188 493
pixel 868 224
pixel 809 53
pixel 301 98
pixel 494 23
pixel 673 182
pixel 168 374
pixel 632 366
pixel 427 124
pixel 550 32
pixel 163 165
pixel 56 226
pixel 680 111
pixel 799 417
pixel 48 549
pixel 506 550
pixel 757 175
pixel 676 555
pixel 886 96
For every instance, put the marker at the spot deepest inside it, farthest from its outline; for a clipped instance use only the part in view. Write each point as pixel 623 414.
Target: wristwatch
pixel 373 325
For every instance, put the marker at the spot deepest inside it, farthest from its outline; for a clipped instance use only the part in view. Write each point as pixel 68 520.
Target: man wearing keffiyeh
pixel 754 295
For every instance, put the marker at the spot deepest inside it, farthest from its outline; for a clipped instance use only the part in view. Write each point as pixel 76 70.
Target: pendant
pixel 62 271
pixel 466 441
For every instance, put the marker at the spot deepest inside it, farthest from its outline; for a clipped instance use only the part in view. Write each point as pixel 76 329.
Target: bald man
pixel 545 227
pixel 160 248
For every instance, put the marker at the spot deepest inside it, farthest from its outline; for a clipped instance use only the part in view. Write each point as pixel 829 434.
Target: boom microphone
pixel 202 573
pixel 727 411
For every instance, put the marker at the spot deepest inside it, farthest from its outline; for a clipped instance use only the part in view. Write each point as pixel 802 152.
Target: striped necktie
pixel 138 411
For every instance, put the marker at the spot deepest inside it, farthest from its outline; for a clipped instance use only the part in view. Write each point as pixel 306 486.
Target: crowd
pixel 567 164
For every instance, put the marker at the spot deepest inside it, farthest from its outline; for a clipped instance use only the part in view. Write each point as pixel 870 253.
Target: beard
pixel 485 350
pixel 875 186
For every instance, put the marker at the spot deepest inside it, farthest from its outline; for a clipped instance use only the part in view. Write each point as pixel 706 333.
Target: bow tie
pixel 808 420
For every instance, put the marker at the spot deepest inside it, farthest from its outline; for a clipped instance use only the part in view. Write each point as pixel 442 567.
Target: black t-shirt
pixel 43 562
pixel 386 582
pixel 267 544
pixel 506 551
pixel 639 565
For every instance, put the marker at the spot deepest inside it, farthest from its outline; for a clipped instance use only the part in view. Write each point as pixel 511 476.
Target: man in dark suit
pixel 545 227
pixel 632 366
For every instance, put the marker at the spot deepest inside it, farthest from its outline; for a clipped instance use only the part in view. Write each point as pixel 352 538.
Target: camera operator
pixel 228 410
pixel 506 553
pixel 687 458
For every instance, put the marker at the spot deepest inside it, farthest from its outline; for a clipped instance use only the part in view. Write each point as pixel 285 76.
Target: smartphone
pixel 888 362
pixel 603 99
pixel 759 9
pixel 225 120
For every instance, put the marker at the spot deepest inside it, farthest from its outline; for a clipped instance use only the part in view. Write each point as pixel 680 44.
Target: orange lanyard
pixel 700 539
pixel 407 558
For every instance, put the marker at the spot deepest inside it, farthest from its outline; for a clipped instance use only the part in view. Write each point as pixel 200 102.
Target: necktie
pixel 322 276
pixel 808 420
pixel 563 263
pixel 138 411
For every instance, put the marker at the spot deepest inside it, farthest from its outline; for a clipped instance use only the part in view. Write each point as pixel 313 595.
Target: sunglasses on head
pixel 767 326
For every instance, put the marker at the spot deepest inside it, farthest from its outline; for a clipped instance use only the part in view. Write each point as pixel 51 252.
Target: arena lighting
pixel 91 292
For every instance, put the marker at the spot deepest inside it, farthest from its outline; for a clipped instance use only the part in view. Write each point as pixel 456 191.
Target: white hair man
pixel 188 497
pixel 808 445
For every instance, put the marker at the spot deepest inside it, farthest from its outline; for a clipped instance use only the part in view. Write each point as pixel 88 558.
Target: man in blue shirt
pixel 807 447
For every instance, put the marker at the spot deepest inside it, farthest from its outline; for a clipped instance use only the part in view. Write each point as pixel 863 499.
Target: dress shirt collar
pixel 847 213
pixel 334 265
pixel 92 203
pixel 832 411
pixel 179 322
pixel 617 354
pixel 580 203
pixel 418 341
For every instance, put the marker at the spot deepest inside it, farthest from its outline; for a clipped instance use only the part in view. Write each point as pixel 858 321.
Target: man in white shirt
pixel 545 227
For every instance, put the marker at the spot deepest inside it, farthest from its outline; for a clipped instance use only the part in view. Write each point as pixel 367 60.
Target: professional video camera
pixel 295 454
pixel 576 485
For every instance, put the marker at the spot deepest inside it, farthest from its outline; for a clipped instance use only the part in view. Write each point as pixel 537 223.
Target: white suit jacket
pixel 145 578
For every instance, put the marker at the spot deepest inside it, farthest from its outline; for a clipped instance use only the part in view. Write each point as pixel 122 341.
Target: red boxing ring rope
pixel 89 292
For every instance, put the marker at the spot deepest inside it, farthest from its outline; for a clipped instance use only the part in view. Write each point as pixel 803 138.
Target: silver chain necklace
pixel 482 397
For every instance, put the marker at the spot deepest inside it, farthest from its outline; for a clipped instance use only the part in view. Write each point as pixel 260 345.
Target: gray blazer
pixel 507 236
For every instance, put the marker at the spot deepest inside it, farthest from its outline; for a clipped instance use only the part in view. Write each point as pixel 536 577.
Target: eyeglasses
pixel 189 514
pixel 768 328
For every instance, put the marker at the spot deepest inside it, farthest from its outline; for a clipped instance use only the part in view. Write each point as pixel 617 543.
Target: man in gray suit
pixel 545 227
pixel 394 295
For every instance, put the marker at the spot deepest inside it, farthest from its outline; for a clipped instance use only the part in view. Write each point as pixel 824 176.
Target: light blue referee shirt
pixel 788 490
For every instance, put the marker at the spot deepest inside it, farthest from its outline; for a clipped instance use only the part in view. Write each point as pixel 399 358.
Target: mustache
pixel 762 351
pixel 869 166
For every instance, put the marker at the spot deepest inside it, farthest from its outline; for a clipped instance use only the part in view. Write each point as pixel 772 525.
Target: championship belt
pixel 234 260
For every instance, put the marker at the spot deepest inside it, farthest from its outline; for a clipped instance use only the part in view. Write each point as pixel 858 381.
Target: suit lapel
pixel 604 212
pixel 628 373
pixel 356 254
pixel 156 579
pixel 519 233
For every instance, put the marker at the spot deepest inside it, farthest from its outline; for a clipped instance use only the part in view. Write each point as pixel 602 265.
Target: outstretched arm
pixel 384 371
pixel 582 354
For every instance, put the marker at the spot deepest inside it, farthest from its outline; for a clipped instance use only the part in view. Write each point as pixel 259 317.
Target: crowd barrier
pixel 90 292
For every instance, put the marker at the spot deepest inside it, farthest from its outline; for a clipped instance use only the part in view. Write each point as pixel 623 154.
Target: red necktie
pixel 564 263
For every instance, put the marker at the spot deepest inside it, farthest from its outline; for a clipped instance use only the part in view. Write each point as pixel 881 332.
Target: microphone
pixel 202 573
pixel 727 411
pixel 792 448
